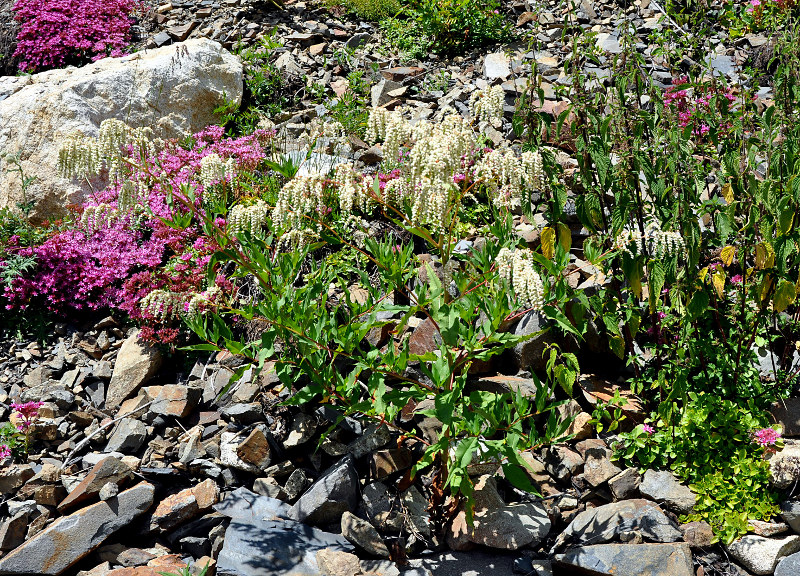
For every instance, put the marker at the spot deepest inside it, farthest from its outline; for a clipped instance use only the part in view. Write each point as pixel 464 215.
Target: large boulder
pixel 173 90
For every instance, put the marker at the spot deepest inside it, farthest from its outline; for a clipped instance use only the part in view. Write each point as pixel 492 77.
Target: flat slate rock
pixel 72 537
pixel 275 548
pixel 245 505
pixel 789 565
pixel 605 523
pixel 629 560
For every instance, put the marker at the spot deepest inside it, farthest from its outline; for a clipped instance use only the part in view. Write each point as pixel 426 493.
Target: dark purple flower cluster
pixel 54 33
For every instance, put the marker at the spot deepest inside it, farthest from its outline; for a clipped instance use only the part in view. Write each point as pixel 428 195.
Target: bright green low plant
pixel 709 443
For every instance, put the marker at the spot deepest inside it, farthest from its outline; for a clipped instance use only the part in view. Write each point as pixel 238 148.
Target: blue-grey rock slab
pixel 628 560
pixel 70 538
pixel 333 494
pixel 789 566
pixel 275 548
pixel 605 523
pixel 665 489
pixel 247 506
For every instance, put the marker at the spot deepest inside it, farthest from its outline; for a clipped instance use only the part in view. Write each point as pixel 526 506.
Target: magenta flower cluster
pixel 766 436
pixel 27 413
pixel 119 264
pixel 693 107
pixel 55 33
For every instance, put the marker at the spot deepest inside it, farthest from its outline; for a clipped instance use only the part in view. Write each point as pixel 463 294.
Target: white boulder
pixel 173 90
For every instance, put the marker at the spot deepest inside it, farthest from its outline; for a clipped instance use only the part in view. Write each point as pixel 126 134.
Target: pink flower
pixel 736 279
pixel 766 436
pixel 5 451
pixel 648 428
pixel 28 412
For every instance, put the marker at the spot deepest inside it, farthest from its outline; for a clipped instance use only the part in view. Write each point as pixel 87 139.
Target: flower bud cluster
pixel 354 188
pixel 506 175
pixel 96 217
pixel 214 170
pixel 390 127
pixel 248 218
pixel 659 244
pixel 516 268
pixel 198 303
pixel 163 305
pixel 487 105
pixel 83 157
pixel 301 195
pixel 332 130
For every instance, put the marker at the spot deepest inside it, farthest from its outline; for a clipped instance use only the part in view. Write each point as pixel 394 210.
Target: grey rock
pixel 334 493
pixel 787 414
pixel 295 484
pixel 562 462
pixel 108 491
pixel 496 65
pixel 12 531
pixel 625 484
pixel 606 523
pixel 665 489
pixel 789 565
pixel 760 555
pixel 128 437
pixel 374 437
pixel 528 355
pixel 162 39
pixel 358 40
pixel 609 43
pixel 723 64
pixel 629 560
pixel 136 363
pixel 380 92
pixel 784 465
pixel 244 413
pixel 598 468
pixel 274 548
pixel 70 538
pixel 247 506
pixel 790 512
pixel 363 535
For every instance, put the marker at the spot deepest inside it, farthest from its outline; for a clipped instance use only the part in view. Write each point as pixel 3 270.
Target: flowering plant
pixel 54 33
pixel 15 435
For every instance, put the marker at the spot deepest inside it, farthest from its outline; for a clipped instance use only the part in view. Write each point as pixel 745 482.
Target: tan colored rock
pixel 137 362
pixel 255 449
pixel 108 469
pixel 336 563
pixel 206 494
pixel 173 90
pixel 176 400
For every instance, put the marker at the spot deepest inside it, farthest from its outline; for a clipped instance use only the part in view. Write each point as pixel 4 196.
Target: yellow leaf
pixel 704 273
pixel 564 236
pixel 727 193
pixel 718 279
pixel 765 256
pixel 784 296
pixel 727 255
pixel 766 286
pixel 548 243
